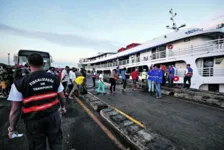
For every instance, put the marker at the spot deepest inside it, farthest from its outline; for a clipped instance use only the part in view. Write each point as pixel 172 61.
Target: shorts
pixel 134 81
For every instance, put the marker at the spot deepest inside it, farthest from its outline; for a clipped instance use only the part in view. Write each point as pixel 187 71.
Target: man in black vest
pixel 36 96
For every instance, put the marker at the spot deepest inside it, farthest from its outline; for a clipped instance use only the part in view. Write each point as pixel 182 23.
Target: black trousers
pixel 46 128
pixel 187 79
pixel 65 86
pixel 94 82
pixel 171 82
pixel 112 84
pixel 124 83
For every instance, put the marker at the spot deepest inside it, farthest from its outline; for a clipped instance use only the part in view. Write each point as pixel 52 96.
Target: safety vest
pixel 190 72
pixel 158 76
pixel 93 74
pixel 150 74
pixel 144 75
pixel 171 73
pixel 39 90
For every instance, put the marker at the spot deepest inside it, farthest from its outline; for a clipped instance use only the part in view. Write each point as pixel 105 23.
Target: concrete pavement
pixel 190 125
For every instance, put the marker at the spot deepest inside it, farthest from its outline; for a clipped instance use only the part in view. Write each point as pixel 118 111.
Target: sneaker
pixel 158 97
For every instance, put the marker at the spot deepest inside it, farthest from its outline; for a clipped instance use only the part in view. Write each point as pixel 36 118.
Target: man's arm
pixel 62 99
pixel 14 115
pixel 16 98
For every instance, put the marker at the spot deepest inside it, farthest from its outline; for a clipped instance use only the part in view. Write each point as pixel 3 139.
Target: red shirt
pixel 134 75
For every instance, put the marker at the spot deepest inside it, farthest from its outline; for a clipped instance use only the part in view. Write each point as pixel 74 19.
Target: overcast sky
pixel 71 30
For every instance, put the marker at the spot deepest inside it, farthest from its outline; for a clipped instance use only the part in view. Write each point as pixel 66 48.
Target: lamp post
pixel 8 58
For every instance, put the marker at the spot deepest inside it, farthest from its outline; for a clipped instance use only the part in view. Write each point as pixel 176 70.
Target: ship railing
pixel 124 62
pixel 159 55
pixel 134 60
pixel 211 72
pixel 206 47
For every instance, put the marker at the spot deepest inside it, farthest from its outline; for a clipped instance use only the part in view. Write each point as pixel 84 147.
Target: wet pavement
pixel 80 132
pixel 190 125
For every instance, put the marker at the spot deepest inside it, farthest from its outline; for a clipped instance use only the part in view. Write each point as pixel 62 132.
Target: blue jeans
pixel 101 85
pixel 151 85
pixel 158 90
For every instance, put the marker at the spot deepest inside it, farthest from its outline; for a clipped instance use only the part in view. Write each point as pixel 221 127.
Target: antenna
pixel 174 27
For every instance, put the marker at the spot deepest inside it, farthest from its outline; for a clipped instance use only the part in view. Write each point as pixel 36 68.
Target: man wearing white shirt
pixel 66 79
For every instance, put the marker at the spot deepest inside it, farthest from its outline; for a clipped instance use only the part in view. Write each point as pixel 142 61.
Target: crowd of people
pixel 38 96
pixel 155 77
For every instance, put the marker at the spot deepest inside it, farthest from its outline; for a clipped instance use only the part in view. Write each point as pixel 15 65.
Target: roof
pixel 101 55
pixel 161 40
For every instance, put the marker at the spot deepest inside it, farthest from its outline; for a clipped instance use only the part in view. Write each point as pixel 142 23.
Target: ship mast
pixel 174 27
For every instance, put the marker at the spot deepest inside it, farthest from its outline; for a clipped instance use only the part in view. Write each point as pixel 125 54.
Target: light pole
pixel 8 58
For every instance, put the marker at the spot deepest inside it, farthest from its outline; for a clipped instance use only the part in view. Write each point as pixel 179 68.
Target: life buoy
pixel 170 46
pixel 176 78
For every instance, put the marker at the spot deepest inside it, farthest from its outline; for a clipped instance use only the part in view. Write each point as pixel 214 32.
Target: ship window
pixel 218 60
pixel 161 48
pixel 187 40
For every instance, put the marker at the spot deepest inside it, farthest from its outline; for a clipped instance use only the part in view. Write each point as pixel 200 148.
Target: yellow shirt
pixel 3 84
pixel 79 80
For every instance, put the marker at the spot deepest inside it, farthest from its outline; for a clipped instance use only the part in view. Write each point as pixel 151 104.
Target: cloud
pixel 70 40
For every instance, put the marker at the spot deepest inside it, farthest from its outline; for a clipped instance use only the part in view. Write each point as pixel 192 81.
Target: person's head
pixel 93 69
pixel 67 68
pixel 136 69
pixel 102 72
pixel 144 70
pixel 36 62
pixel 156 67
pixel 73 69
pixel 124 68
pixel 169 66
pixel 188 65
pixel 51 68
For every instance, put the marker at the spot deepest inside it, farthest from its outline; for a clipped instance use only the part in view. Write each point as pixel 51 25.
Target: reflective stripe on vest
pixel 39 108
pixel 39 97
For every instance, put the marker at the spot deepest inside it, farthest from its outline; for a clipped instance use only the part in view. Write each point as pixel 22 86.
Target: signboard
pixel 193 31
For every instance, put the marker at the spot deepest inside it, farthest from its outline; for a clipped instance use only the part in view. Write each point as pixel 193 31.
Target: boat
pixel 202 48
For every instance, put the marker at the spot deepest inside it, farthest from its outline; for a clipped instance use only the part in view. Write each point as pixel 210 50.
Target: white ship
pixel 202 49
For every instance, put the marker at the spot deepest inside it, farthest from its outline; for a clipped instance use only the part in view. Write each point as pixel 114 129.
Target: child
pixel 101 84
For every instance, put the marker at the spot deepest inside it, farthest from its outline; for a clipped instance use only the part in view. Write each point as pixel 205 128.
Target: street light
pixel 8 58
